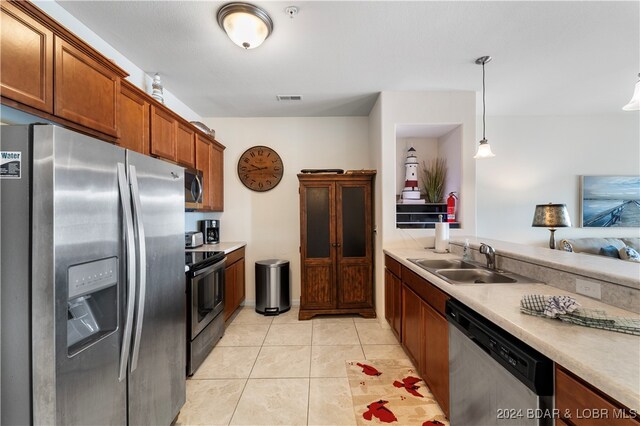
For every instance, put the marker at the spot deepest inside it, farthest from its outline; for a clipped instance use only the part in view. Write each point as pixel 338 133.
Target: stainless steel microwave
pixel 192 189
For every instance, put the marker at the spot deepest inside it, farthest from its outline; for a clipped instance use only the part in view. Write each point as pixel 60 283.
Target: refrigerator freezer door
pixel 77 269
pixel 157 384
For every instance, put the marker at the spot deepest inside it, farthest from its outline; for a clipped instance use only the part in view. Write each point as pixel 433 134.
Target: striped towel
pixel 567 309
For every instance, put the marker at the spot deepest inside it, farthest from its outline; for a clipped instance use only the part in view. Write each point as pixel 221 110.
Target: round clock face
pixel 260 168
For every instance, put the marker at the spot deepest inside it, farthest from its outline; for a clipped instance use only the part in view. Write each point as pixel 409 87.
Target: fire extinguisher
pixel 451 207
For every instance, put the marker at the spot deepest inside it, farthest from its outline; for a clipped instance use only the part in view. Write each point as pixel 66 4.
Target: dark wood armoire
pixel 336 244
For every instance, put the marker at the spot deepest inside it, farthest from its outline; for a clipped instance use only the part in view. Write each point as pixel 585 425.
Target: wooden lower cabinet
pixel 393 295
pixel 435 355
pixel 412 326
pixel 234 285
pixel 425 333
pixel 580 404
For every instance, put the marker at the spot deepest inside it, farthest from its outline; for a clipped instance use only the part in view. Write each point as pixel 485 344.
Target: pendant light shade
pixel 634 103
pixel 245 24
pixel 484 149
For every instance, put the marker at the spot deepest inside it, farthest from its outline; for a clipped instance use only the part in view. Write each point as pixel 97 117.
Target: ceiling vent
pixel 289 97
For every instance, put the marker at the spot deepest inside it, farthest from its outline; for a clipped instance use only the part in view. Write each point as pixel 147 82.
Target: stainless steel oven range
pixel 205 303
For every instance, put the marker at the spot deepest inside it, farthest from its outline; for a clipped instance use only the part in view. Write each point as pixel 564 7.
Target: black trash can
pixel 273 287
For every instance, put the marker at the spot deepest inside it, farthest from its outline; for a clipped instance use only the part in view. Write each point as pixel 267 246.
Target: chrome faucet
pixel 490 253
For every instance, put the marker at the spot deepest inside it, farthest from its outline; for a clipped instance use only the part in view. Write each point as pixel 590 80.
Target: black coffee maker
pixel 210 230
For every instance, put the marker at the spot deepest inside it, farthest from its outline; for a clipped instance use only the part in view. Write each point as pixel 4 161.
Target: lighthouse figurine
pixel 411 190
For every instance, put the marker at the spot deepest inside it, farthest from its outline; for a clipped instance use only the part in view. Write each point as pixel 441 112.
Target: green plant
pixel 434 176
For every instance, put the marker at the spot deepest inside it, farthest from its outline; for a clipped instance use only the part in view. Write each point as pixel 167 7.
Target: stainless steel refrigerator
pixel 93 282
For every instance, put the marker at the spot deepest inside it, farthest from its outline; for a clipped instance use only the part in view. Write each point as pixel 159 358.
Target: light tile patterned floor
pixel 281 371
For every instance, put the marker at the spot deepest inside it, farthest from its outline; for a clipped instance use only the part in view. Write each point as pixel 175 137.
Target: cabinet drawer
pixel 393 265
pixel 427 291
pixel 582 403
pixel 234 256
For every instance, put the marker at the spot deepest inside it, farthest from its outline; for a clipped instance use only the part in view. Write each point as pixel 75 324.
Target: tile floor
pixel 281 371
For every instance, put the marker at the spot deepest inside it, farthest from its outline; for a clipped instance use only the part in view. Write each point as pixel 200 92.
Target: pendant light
pixel 245 24
pixel 484 149
pixel 634 103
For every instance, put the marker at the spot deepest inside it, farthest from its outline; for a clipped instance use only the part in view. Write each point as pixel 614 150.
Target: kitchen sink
pixel 474 276
pixel 458 271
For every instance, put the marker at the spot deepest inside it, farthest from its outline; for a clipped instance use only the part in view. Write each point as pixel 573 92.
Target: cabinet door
pixel 393 301
pixel 185 145
pixel 436 355
pixel 412 326
pixel 216 177
pixel 87 93
pixel 134 120
pixel 239 282
pixel 163 134
pixel 26 59
pixel 203 164
pixel 229 291
pixel 318 245
pixel 353 238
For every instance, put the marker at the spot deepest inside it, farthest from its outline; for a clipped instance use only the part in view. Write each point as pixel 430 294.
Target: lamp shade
pixel 634 103
pixel 551 216
pixel 484 150
pixel 245 24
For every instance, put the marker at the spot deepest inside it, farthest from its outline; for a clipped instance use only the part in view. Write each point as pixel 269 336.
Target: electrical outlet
pixel 588 288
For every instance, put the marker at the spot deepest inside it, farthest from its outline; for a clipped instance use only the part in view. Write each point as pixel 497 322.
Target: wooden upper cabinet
pixel 185 145
pixel 87 92
pixel 134 119
pixel 163 134
pixel 203 163
pixel 216 178
pixel 26 59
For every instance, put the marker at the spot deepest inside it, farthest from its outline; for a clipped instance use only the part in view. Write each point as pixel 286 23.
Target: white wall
pixel 137 76
pixel 403 108
pixel 450 147
pixel 269 222
pixel 539 160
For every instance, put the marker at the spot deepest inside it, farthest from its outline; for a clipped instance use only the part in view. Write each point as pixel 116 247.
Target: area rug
pixel 391 392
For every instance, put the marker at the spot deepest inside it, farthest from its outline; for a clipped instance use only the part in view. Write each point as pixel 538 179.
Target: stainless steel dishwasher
pixel 495 379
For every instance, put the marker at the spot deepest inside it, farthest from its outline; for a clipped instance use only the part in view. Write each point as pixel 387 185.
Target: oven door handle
pixel 209 269
pixel 125 199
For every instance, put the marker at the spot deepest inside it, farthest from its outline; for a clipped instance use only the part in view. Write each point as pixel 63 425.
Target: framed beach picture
pixel 610 201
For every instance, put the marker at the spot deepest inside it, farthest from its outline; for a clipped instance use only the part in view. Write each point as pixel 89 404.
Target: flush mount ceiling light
pixel 634 103
pixel 245 24
pixel 484 149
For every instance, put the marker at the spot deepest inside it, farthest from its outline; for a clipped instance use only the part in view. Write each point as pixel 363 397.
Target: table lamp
pixel 551 216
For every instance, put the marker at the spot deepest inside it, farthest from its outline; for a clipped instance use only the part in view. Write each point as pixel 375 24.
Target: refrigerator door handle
pixel 131 269
pixel 142 264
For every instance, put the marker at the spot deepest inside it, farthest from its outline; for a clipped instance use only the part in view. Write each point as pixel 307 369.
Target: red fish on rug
pixel 379 411
pixel 409 383
pixel 432 423
pixel 369 370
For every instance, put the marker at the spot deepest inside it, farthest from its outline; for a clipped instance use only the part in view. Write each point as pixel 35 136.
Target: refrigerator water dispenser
pixel 92 305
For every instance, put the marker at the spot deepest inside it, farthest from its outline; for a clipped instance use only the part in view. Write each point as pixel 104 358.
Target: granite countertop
pixel 608 360
pixel 226 247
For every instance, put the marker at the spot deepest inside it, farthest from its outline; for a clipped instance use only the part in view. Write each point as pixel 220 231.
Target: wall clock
pixel 260 168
